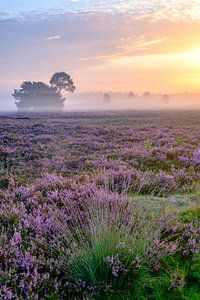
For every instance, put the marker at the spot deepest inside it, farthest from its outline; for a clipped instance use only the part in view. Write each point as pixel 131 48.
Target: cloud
pixel 53 37
pixel 87 43
pixel 158 9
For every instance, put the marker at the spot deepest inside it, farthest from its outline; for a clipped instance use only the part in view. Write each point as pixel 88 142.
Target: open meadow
pixel 100 205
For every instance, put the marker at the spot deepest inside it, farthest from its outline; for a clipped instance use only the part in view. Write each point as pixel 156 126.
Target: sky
pixel 113 45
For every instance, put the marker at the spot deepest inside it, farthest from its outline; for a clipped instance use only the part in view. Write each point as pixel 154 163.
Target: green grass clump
pixel 191 214
pixel 118 254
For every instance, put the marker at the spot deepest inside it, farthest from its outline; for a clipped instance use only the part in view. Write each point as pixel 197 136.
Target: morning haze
pixel 99 149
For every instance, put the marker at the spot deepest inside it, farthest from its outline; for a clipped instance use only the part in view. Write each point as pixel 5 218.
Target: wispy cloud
pixel 86 37
pixel 53 37
pixel 144 43
pixel 156 9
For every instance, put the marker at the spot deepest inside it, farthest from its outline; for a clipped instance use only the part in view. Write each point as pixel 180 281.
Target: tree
pixel 38 96
pixel 106 98
pixel 146 94
pixel 131 95
pixel 63 82
pixel 166 99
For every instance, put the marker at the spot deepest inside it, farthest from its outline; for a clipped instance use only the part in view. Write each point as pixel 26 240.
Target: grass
pixel 111 257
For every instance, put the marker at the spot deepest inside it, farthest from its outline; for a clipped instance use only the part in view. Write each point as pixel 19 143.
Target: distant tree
pixel 38 96
pixel 146 94
pixel 166 98
pixel 63 82
pixel 106 98
pixel 131 95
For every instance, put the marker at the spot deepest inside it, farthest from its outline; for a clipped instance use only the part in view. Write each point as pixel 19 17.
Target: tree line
pixel 39 96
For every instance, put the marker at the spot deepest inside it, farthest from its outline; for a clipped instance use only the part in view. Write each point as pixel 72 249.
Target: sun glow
pixel 111 45
pixel 193 57
pixel 179 71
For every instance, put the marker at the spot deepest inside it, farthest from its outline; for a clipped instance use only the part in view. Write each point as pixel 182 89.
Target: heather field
pixel 100 205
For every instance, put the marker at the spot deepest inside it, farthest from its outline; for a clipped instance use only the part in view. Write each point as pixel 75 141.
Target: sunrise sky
pixel 104 45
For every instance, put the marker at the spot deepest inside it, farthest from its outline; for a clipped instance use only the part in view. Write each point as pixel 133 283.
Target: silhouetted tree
pixel 146 94
pixel 106 98
pixel 131 95
pixel 38 96
pixel 63 82
pixel 166 98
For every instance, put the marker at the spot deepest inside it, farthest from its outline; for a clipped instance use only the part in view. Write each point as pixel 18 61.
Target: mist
pixel 121 101
pixel 94 101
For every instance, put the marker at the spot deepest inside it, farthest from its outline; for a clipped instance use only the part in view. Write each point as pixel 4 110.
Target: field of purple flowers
pixel 100 206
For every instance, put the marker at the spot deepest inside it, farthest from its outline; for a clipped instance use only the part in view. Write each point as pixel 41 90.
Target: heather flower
pixel 22 191
pixel 116 265
pixel 164 178
pixel 196 158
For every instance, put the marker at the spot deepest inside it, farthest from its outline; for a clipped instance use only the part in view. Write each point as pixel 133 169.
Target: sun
pixel 193 57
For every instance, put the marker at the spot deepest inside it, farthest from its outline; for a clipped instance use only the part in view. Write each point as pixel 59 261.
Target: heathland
pixel 100 205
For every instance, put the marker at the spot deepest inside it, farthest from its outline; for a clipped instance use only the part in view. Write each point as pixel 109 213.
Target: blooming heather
pixel 71 226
